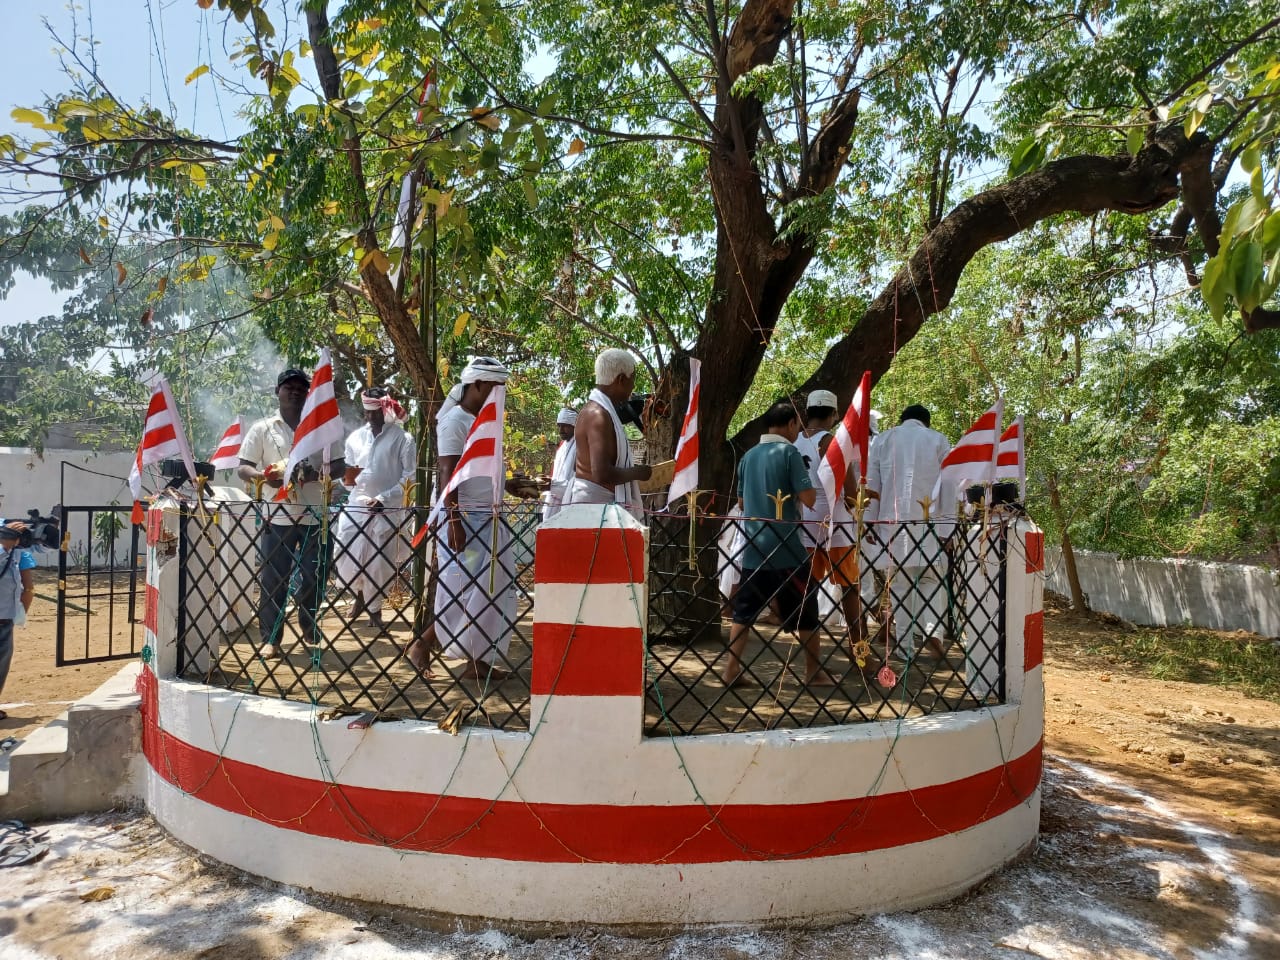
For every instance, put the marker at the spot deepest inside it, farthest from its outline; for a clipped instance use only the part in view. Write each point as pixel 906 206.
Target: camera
pixel 632 410
pixel 25 538
pixel 1004 492
pixel 175 471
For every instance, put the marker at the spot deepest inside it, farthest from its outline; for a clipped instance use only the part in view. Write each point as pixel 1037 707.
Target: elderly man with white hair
pixel 603 469
pixel 472 620
pixel 562 465
pixel 381 459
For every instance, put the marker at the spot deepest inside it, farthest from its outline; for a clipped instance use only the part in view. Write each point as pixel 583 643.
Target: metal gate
pixel 101 588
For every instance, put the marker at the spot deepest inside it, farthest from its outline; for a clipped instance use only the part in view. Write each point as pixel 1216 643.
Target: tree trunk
pixel 754 275
pixel 376 285
pixel 1078 602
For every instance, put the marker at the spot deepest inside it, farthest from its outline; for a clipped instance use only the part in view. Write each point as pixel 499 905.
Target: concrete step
pixel 85 760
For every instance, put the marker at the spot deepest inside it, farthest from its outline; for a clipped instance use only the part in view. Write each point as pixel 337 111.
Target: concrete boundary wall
pixel 1172 592
pixel 583 819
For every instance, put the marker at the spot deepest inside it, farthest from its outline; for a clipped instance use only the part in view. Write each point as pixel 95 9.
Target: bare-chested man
pixel 603 470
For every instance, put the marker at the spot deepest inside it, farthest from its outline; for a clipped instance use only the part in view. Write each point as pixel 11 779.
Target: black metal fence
pixel 924 599
pixel 101 588
pixel 329 607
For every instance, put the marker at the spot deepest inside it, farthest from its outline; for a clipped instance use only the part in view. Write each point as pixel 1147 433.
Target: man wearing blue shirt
pixel 773 486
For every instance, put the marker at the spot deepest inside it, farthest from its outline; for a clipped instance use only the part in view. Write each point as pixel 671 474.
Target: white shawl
pixel 626 494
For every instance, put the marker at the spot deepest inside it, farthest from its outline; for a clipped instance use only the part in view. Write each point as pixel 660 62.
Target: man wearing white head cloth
pixel 603 469
pixel 471 621
pixel 562 466
pixel 381 458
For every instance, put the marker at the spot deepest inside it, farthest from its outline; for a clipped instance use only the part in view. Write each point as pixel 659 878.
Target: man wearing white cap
pixel 562 466
pixel 381 459
pixel 603 470
pixel 471 621
pixel 829 528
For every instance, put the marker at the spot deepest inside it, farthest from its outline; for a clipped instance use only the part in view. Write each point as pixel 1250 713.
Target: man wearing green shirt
pixel 773 485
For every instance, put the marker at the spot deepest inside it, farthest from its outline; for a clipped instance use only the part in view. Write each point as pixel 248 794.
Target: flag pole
pixel 692 498
pixel 493 550
pixel 426 436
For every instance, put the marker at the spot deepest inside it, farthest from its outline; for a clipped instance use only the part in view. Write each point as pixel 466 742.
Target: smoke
pixel 240 381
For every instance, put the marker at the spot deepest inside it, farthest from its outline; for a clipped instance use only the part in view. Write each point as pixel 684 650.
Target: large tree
pixel 793 146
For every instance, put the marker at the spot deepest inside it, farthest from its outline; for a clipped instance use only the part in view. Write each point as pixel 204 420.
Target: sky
pixel 144 51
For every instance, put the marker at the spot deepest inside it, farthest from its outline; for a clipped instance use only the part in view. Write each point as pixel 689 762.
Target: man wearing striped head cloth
pixel 471 621
pixel 381 459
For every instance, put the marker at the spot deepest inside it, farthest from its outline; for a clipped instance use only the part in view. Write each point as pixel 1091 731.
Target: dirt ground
pixel 36 690
pixel 1160 838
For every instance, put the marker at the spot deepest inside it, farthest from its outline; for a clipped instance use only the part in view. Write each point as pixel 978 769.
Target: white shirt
pixel 561 474
pixel 815 532
pixel 451 437
pixel 387 461
pixel 269 441
pixel 904 463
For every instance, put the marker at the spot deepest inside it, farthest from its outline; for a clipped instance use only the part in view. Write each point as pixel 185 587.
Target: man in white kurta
pixel 382 459
pixel 903 466
pixel 603 468
pixel 562 465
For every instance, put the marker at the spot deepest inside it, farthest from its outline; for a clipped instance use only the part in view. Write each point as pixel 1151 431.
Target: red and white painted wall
pixel 584 819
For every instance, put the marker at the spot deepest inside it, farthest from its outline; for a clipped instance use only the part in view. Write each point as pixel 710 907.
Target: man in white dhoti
pixel 830 530
pixel 381 460
pixel 603 469
pixel 904 463
pixel 562 466
pixel 475 607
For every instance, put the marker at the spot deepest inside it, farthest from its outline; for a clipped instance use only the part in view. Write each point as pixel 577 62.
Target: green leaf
pixel 530 193
pixel 1135 139
pixel 1211 287
pixel 1027 156
pixel 1271 230
pixel 1246 268
pixel 262 23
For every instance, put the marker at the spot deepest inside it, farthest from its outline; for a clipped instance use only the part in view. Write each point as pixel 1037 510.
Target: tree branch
pixel 926 283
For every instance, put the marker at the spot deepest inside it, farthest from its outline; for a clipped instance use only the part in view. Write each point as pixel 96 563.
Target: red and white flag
pixel 162 437
pixel 1011 457
pixel 848 448
pixel 320 426
pixel 227 455
pixel 430 94
pixel 686 470
pixel 481 453
pixel 972 460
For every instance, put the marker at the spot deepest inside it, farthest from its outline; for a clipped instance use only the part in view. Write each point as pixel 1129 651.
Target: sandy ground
pixel 1160 839
pixel 36 690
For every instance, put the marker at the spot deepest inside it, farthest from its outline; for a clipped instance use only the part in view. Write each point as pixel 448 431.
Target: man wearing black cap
pixel 15 597
pixel 291 535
